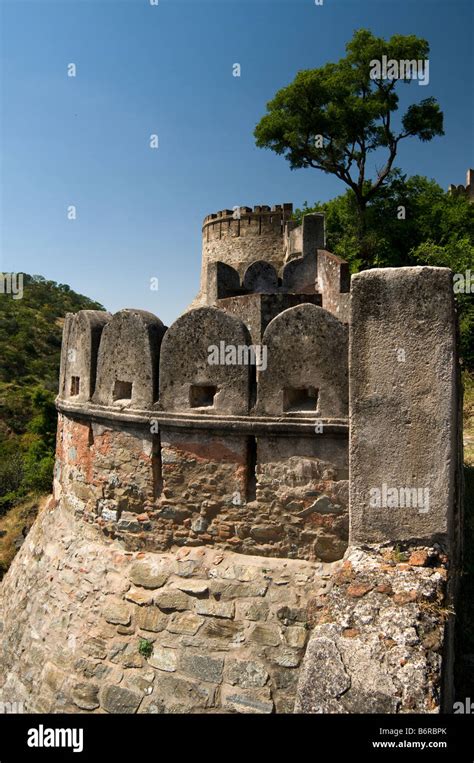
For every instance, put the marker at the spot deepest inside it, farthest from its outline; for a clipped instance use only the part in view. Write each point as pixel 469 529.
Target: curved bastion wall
pixel 171 449
pixel 224 632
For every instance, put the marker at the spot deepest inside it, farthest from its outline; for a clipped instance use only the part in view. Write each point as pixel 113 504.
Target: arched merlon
pixel 307 365
pixel 260 277
pixel 79 350
pixel 300 275
pixel 188 376
pixel 222 281
pixel 127 367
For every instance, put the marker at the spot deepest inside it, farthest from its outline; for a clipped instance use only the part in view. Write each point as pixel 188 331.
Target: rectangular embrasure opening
pixel 298 399
pixel 122 390
pixel 75 384
pixel 202 396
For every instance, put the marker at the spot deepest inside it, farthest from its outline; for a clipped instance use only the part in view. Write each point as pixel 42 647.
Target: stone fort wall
pixel 169 449
pixel 212 544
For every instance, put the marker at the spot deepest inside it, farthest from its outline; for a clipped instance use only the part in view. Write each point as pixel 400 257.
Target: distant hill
pixel 30 345
pixel 31 329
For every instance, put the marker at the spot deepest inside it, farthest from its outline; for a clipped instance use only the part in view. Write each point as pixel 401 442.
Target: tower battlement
pixel 268 219
pixel 262 250
pixel 464 190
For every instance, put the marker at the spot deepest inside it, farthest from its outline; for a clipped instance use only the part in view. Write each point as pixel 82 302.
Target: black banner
pixel 124 737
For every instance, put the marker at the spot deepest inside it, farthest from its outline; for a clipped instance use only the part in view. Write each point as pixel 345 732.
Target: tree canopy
pixel 334 117
pixel 437 229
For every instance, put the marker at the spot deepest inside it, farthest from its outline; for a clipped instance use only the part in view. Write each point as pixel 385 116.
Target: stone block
pixel 116 611
pixel 171 600
pixel 185 622
pixel 151 619
pixel 246 700
pixel 215 608
pixel 164 659
pixel 246 673
pixel 202 667
pixel 404 405
pixel 266 634
pixel 85 695
pixel 117 699
pixel 148 575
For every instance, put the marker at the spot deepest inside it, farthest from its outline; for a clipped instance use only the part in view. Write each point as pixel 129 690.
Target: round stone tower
pixel 241 236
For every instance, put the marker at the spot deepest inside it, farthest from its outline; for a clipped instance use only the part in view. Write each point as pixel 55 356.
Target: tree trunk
pixel 364 249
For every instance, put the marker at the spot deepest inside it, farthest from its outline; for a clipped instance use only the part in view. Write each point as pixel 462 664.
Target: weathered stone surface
pixel 151 619
pixel 185 622
pixel 246 673
pixel 85 695
pixel 117 611
pixel 184 361
pixel 251 610
pixel 146 574
pixel 215 608
pixel 164 659
pixel 403 382
pixel 267 634
pixel 286 657
pixel 127 365
pixel 193 587
pixel 365 654
pixel 230 591
pixel 246 700
pixel 171 600
pixel 183 696
pixel 333 280
pixel 260 277
pixel 296 637
pixel 319 342
pixel 53 676
pixel 138 596
pixel 80 346
pixel 95 647
pixel 202 667
pixel 217 628
pixel 323 677
pixel 116 699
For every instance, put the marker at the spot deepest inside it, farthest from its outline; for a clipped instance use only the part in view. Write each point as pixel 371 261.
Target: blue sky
pixel 167 70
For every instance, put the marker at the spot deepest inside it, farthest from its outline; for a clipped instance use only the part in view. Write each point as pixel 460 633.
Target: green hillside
pixel 30 344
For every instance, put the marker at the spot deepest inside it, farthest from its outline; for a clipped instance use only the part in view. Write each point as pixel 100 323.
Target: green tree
pixel 333 118
pixel 437 229
pixel 457 254
pixel 429 214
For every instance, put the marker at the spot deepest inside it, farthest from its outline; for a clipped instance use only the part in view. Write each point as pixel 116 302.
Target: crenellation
pixel 202 439
pixel 464 190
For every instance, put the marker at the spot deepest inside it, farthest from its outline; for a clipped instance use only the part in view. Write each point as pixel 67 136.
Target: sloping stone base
pixel 91 627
